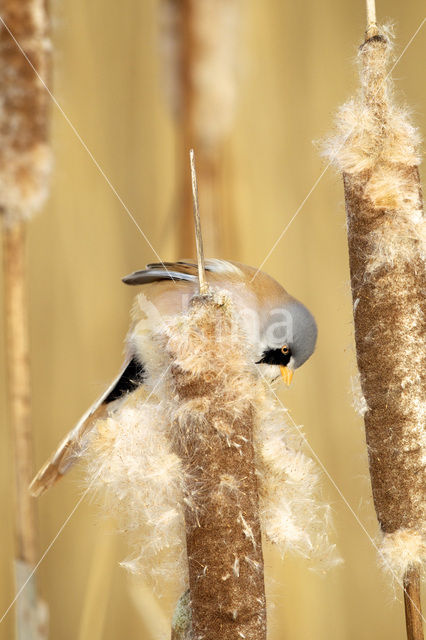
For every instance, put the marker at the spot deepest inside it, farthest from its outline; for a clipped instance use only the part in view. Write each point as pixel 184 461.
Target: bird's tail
pixel 67 454
pixel 74 444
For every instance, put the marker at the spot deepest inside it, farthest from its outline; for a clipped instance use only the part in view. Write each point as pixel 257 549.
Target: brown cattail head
pixel 212 421
pixel 25 158
pixel 376 149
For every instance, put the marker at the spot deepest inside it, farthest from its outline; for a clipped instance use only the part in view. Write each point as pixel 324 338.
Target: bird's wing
pixel 180 270
pixel 72 446
pixel 163 271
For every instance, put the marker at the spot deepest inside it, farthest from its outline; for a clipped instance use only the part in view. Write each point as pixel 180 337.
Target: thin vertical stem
pixel 413 606
pixel 198 237
pixel 372 29
pixel 30 612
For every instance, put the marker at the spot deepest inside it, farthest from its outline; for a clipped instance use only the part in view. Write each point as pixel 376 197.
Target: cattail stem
pixel 412 603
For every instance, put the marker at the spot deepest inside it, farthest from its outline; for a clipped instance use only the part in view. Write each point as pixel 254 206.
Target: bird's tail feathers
pixel 67 454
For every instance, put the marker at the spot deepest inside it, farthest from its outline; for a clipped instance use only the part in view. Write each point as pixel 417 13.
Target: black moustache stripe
pixel 275 356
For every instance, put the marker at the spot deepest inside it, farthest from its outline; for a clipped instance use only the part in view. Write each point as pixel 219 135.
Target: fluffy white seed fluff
pixel 131 465
pixel 404 549
pixel 359 402
pixel 292 514
pixel 374 136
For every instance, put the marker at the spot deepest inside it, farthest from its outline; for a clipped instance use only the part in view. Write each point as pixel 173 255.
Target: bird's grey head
pixel 288 338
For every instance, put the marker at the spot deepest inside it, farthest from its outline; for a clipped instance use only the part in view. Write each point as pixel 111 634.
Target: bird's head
pixel 280 329
pixel 287 339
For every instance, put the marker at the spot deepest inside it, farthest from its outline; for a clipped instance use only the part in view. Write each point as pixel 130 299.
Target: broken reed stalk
pixel 203 286
pixel 24 169
pixel 200 42
pixel 212 433
pixel 378 156
pixel 371 19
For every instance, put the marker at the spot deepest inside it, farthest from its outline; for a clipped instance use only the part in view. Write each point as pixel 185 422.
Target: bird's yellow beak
pixel 287 375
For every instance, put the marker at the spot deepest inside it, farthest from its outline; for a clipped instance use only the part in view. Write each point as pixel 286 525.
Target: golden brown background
pixel 296 68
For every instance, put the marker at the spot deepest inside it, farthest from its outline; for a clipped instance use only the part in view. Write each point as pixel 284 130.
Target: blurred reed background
pixel 295 68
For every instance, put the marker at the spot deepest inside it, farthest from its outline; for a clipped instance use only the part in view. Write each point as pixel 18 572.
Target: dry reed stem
pixel 24 160
pixel 372 29
pixel 24 169
pixel 200 38
pixel 31 615
pixel 19 386
pixel 213 435
pixel 192 137
pixel 202 282
pixel 413 605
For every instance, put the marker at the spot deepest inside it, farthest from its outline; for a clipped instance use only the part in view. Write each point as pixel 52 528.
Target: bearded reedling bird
pixel 282 330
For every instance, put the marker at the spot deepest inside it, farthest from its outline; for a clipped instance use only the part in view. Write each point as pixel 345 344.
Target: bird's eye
pixel 285 350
